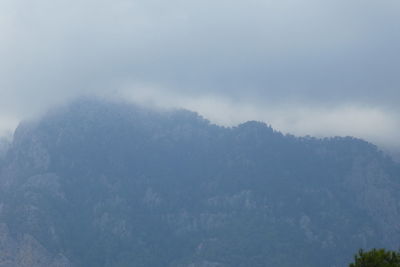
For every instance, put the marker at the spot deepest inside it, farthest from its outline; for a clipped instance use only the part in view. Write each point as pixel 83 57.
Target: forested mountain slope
pixel 107 184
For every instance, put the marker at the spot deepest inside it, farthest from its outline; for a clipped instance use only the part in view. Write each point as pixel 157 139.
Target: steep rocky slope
pixel 105 184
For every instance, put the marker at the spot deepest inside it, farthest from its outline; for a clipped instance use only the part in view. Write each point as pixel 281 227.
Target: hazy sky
pixel 306 67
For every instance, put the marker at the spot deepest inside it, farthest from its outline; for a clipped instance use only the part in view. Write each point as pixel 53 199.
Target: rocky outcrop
pixel 24 250
pixel 4 146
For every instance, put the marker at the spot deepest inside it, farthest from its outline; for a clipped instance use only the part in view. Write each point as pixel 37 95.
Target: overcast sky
pixel 305 67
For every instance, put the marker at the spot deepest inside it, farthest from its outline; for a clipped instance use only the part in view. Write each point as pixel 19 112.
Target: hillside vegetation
pixel 107 184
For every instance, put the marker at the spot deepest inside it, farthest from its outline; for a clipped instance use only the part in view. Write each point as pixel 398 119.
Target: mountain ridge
pixel 108 184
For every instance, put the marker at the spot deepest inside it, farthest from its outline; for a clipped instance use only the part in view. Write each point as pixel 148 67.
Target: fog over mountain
pixel 313 67
pixel 99 183
pixel 198 133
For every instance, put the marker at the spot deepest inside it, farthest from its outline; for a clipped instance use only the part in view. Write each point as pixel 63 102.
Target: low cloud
pixel 370 123
pixel 7 126
pixel 307 67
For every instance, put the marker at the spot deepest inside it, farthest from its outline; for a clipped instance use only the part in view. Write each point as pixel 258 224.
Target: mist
pixel 103 163
pixel 308 68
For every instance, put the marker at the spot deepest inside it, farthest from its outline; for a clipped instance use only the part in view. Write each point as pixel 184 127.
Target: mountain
pixel 4 146
pixel 108 184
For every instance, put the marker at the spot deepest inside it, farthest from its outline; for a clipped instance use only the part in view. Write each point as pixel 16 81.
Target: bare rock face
pixel 26 251
pixel 4 146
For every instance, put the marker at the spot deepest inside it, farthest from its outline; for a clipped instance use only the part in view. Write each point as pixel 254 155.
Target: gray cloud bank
pixel 307 67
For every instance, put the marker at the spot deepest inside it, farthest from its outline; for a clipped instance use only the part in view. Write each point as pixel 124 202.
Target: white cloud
pixel 308 67
pixel 7 126
pixel 370 123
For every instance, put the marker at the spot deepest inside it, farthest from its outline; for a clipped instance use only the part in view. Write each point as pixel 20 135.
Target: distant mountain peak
pixel 99 183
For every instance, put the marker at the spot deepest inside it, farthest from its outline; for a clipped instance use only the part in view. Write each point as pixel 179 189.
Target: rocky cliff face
pixel 25 251
pixel 100 184
pixel 4 146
